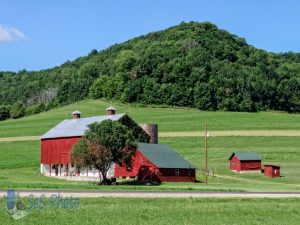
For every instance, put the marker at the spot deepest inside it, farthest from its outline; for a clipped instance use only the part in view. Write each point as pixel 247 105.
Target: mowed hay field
pixel 168 119
pixel 19 160
pixel 166 211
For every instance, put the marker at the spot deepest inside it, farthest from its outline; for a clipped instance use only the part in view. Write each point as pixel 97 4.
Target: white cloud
pixel 10 34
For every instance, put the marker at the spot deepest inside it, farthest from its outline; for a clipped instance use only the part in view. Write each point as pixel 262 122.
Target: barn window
pixel 177 172
pixel 143 160
pixel 232 163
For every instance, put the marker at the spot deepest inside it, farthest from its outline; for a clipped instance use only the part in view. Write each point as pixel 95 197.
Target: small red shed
pixel 271 171
pixel 158 162
pixel 243 162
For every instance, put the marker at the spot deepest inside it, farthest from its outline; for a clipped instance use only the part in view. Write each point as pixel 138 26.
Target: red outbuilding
pixel 271 171
pixel 243 162
pixel 158 162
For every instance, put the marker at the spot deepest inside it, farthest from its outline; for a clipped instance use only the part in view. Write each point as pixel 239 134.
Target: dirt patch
pixel 26 138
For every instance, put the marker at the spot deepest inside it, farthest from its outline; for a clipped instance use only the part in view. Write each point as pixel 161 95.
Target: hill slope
pixel 192 64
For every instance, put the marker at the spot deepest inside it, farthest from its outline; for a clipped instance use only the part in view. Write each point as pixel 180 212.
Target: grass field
pixel 166 211
pixel 168 119
pixel 19 161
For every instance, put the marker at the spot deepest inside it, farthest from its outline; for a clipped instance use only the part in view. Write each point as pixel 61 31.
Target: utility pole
pixel 206 157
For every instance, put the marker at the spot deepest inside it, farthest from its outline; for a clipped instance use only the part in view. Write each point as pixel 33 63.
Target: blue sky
pixel 37 35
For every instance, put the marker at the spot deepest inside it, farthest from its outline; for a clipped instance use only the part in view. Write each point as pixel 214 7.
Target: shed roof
pixel 163 156
pixel 274 166
pixel 76 127
pixel 246 156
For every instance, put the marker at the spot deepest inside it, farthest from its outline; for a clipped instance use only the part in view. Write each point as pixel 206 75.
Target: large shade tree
pixel 103 144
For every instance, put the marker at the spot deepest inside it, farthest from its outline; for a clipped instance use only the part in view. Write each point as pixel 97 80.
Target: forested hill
pixel 192 64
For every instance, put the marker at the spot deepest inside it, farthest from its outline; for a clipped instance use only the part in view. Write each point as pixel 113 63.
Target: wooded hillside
pixel 192 64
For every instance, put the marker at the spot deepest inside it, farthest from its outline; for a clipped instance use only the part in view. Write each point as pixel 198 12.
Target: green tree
pixel 104 143
pixel 4 112
pixel 17 111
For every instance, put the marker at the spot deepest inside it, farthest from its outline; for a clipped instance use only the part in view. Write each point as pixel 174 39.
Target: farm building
pixel 57 143
pixel 158 162
pixel 243 162
pixel 271 171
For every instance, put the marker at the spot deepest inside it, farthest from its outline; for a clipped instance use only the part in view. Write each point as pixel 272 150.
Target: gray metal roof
pixel 246 156
pixel 76 127
pixel 163 156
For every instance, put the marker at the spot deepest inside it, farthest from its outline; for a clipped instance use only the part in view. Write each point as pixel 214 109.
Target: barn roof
pixel 76 127
pixel 163 156
pixel 246 156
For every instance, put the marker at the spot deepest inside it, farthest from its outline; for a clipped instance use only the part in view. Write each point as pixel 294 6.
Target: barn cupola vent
pixel 111 111
pixel 76 115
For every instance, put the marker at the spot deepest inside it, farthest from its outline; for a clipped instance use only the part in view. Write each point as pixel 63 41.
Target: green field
pixel 19 161
pixel 20 165
pixel 166 211
pixel 168 119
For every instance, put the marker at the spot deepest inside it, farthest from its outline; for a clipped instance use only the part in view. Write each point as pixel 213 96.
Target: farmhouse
pixel 160 160
pixel 243 162
pixel 271 171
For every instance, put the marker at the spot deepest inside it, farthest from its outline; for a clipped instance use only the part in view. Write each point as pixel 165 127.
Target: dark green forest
pixel 192 65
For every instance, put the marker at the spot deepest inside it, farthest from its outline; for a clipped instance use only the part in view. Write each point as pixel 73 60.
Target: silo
pixel 152 131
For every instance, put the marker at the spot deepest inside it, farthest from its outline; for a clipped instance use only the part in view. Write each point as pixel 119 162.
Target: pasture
pixel 20 165
pixel 169 119
pixel 19 160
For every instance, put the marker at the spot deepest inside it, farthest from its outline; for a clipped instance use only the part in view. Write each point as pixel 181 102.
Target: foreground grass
pixel 167 211
pixel 168 119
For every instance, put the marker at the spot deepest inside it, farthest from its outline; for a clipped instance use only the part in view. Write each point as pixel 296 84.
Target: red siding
pixel 185 175
pixel 57 150
pixel 237 165
pixel 272 171
pixel 139 160
pixel 250 165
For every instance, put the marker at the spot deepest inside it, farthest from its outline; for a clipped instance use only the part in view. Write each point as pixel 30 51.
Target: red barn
pixel 57 143
pixel 243 162
pixel 271 171
pixel 158 162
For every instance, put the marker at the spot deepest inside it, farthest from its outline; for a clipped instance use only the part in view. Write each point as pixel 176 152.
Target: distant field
pixel 168 119
pixel 19 165
pixel 167 211
pixel 282 151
